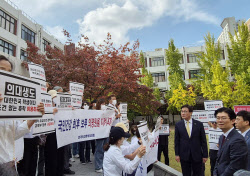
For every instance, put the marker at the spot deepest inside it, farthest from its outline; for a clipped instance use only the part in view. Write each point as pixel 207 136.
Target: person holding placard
pixel 242 122
pixel 163 146
pixel 11 130
pixel 112 106
pixel 114 162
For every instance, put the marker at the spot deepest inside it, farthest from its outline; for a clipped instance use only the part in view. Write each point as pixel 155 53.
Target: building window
pixel 157 61
pixel 45 43
pixel 193 74
pixel 183 74
pixel 158 77
pixel 222 55
pixel 27 34
pixel 7 22
pixel 146 64
pixel 23 55
pixel 7 48
pixel 192 58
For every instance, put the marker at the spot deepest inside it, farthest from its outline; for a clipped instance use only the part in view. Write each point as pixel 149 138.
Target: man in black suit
pixel 190 143
pixel 232 154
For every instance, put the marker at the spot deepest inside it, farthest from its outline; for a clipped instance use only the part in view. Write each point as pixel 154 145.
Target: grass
pixel 171 154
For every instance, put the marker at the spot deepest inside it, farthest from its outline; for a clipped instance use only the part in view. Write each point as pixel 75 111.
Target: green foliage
pixel 239 52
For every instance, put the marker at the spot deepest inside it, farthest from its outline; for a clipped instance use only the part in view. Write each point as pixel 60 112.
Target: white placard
pixel 76 101
pixel 20 95
pixel 123 108
pixel 124 118
pixel 37 71
pixel 214 135
pixel 143 130
pixel 200 116
pixel 211 117
pixel 212 105
pixel 47 101
pixel 206 127
pixel 44 125
pixel 81 125
pixel 42 84
pixel 63 100
pixel 164 130
pixel 76 88
pixel 158 123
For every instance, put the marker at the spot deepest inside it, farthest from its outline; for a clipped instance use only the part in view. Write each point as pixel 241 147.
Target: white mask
pixel 103 107
pixel 86 107
pixel 114 102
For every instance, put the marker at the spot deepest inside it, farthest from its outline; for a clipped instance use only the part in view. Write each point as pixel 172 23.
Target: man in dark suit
pixel 232 154
pixel 190 143
pixel 242 122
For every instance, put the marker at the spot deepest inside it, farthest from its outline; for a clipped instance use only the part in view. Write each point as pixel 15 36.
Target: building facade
pixel 16 27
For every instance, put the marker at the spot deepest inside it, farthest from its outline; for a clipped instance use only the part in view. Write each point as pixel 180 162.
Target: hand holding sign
pixel 142 151
pixel 1 98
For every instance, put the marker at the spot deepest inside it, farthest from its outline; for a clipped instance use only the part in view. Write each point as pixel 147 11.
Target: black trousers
pixel 191 167
pixel 53 157
pixel 27 166
pixel 164 149
pixel 41 161
pixel 213 157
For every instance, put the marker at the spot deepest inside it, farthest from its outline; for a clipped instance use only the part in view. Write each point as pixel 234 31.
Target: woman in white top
pixel 114 162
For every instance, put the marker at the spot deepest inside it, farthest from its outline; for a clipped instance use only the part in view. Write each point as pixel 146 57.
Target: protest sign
pixel 76 101
pixel 44 125
pixel 158 123
pixel 143 130
pixel 164 130
pixel 123 108
pixel 81 125
pixel 19 149
pixel 42 84
pixel 214 135
pixel 200 115
pixel 20 95
pixel 212 105
pixel 63 100
pixel 206 127
pixel 76 88
pixel 47 101
pixel 238 108
pixel 211 117
pixel 36 71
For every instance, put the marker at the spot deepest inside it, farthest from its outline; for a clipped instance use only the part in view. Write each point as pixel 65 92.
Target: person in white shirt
pixel 114 162
pixel 11 130
pixel 111 106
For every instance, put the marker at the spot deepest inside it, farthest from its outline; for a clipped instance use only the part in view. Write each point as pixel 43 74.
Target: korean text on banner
pixel 164 130
pixel 44 125
pixel 214 135
pixel 212 105
pixel 63 100
pixel 20 97
pixel 37 71
pixel 76 88
pixel 200 116
pixel 238 108
pixel 211 117
pixel 81 125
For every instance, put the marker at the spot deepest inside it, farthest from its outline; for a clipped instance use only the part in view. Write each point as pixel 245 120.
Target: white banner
pixel 76 88
pixel 37 71
pixel 211 117
pixel 164 130
pixel 143 130
pixel 63 100
pixel 76 101
pixel 214 135
pixel 21 97
pixel 200 115
pixel 212 105
pixel 81 125
pixel 151 156
pixel 44 125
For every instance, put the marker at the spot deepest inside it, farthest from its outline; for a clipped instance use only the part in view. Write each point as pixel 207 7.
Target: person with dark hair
pixel 99 153
pixel 232 154
pixel 190 143
pixel 163 146
pixel 112 106
pixel 114 162
pixel 242 122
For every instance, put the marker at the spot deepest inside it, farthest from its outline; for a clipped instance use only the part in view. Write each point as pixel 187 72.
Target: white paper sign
pixel 76 101
pixel 63 100
pixel 158 124
pixel 44 125
pixel 211 117
pixel 76 88
pixel 200 116
pixel 47 101
pixel 124 118
pixel 143 130
pixel 123 108
pixel 81 125
pixel 20 95
pixel 42 84
pixel 214 135
pixel 37 71
pixel 212 105
pixel 164 130
pixel 206 127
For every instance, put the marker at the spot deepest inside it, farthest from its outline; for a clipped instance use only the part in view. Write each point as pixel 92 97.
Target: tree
pixel 239 52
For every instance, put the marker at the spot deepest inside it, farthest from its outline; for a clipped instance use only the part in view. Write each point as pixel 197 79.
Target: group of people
pixel 114 155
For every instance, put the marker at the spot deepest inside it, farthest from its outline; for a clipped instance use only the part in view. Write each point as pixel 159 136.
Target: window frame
pixel 7 22
pixel 28 34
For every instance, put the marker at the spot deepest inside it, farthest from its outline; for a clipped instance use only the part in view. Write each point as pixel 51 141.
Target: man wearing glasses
pixel 190 143
pixel 232 154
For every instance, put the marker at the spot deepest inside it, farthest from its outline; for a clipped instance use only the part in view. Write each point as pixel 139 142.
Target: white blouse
pixel 114 162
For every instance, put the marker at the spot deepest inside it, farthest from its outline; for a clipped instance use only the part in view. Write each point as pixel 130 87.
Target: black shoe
pixel 69 172
pixel 70 165
pixel 89 162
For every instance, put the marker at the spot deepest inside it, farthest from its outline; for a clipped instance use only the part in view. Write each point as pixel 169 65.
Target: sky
pixel 152 22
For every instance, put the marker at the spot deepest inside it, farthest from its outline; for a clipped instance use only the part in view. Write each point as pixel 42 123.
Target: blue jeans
pixel 99 153
pixel 75 148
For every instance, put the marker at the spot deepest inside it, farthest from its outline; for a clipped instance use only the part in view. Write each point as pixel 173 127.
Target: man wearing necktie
pixel 232 154
pixel 190 143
